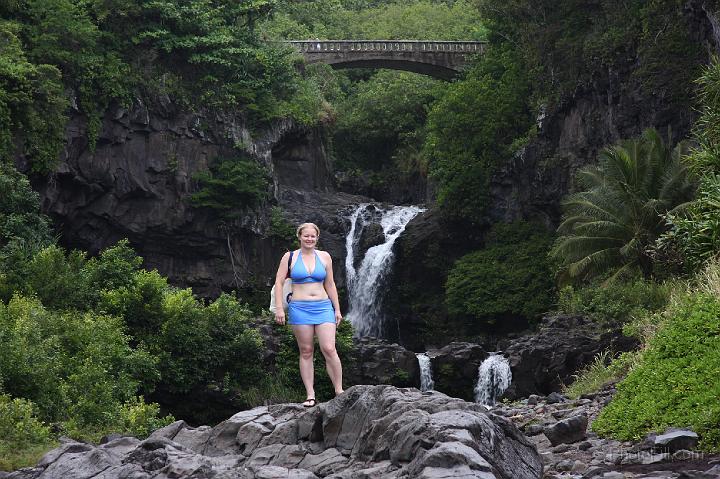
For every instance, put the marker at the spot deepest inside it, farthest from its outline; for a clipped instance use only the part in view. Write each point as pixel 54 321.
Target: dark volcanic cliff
pixel 137 182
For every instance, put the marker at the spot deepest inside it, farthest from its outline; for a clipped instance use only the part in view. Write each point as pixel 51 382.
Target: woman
pixel 314 309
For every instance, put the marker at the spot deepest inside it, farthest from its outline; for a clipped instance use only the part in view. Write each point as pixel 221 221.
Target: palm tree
pixel 610 226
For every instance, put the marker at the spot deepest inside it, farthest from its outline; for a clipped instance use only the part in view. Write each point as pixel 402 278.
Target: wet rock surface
pixel 581 454
pixel 367 432
pixel 381 362
pixel 544 360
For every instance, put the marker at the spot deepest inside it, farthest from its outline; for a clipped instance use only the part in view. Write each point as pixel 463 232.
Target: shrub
pixel 511 277
pixel 230 186
pixel 23 437
pixel 675 384
pixel 77 368
pixel 615 302
pixel 694 234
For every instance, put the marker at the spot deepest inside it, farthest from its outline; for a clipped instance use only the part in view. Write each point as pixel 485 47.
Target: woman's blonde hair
pixel 307 225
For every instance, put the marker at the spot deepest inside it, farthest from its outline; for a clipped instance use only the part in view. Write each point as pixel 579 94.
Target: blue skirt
pixel 311 312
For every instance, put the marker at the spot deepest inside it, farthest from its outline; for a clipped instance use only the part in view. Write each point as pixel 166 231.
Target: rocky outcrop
pixel 367 432
pixel 455 368
pixel 546 360
pixel 137 180
pixel 381 362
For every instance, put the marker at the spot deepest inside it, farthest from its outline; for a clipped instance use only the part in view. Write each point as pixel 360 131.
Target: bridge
pixel 439 59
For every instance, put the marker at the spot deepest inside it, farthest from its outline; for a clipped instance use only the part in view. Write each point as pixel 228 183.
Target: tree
pixel 610 226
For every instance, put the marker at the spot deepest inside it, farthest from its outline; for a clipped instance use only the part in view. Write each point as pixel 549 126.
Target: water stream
pixel 494 377
pixel 426 379
pixel 366 282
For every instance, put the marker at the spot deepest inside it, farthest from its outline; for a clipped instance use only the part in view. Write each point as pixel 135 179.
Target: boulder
pixel 675 440
pixel 380 362
pixel 455 368
pixel 367 432
pixel 567 431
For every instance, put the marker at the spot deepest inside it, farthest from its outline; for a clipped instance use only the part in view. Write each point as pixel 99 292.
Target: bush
pixel 77 368
pixel 694 234
pixel 509 278
pixel 230 186
pixel 675 383
pixel 616 302
pixel 23 437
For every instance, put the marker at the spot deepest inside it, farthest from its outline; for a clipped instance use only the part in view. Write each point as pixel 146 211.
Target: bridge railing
pixel 327 46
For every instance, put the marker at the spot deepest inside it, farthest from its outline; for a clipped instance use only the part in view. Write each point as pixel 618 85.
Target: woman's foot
pixel 337 393
pixel 309 402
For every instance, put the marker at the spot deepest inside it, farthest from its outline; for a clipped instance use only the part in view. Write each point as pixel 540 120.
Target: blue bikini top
pixel 299 273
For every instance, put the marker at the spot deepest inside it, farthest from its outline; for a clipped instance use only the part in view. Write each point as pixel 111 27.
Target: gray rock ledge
pixel 367 432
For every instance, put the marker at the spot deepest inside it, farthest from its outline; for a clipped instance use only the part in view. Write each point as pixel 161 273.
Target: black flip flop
pixel 310 400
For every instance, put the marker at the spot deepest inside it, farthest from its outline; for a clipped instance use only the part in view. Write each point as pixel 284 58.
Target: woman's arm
pixel 331 289
pixel 282 274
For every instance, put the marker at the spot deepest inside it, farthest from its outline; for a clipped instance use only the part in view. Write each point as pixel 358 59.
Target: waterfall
pixel 494 377
pixel 366 281
pixel 426 380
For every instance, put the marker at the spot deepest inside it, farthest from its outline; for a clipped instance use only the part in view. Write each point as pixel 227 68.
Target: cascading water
pixel 494 377
pixel 426 380
pixel 365 281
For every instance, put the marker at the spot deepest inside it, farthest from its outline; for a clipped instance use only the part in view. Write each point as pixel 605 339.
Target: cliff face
pixel 137 182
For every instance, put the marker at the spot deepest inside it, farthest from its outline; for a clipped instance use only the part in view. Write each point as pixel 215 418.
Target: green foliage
pixel 139 418
pixel 603 370
pixel 76 367
pixel 407 20
pixel 694 232
pixel 19 423
pixel 569 44
pixel 230 186
pixel 32 104
pixel 509 278
pixel 706 157
pixel 611 224
pixel 23 437
pixel 676 382
pixel 470 131
pixel 617 302
pixel 23 229
pixel 281 229
pixel 384 114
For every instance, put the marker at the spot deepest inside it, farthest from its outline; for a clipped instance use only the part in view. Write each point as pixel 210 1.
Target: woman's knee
pixel 306 352
pixel 328 350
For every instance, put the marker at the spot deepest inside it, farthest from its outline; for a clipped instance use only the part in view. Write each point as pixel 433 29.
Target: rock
pixel 578 467
pixel 534 429
pixel 584 446
pixel 543 361
pixel 367 432
pixel 554 398
pixel 654 458
pixel 564 465
pixel 672 441
pixel 455 368
pixel 567 431
pixel 382 362
pixel 533 399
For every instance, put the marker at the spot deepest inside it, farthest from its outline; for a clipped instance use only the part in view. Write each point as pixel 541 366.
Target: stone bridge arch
pixel 439 59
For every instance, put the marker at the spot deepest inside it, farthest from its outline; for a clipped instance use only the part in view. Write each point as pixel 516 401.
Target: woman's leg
pixel 326 337
pixel 304 333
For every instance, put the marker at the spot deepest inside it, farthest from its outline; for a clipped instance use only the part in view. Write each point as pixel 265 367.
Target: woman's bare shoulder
pixel 325 255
